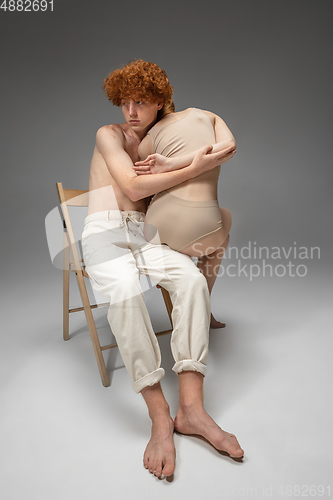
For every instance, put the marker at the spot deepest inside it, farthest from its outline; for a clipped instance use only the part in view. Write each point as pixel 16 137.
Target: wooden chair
pixel 72 262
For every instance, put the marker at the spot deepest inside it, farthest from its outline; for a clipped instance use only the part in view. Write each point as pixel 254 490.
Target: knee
pixel 119 289
pixel 197 282
pixel 126 285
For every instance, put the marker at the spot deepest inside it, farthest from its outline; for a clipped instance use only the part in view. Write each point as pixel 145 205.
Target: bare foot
pixel 196 421
pixel 160 454
pixel 215 324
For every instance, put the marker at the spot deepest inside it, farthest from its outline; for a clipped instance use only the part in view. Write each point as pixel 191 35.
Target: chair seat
pixel 83 269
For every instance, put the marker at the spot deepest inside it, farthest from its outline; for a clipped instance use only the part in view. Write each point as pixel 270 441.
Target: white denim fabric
pixel 115 254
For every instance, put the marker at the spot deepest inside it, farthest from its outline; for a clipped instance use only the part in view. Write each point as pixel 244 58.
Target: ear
pixel 160 105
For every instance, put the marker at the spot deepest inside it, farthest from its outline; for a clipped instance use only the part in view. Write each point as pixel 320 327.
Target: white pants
pixel 115 253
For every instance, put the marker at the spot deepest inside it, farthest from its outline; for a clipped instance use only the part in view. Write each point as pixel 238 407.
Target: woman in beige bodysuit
pixel 187 216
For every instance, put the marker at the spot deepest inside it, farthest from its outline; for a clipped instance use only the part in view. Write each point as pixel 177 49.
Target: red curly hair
pixel 140 80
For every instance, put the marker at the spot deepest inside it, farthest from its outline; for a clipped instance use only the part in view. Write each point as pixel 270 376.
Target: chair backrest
pixel 71 198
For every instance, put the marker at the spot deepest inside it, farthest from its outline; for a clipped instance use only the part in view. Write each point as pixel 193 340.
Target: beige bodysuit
pixel 181 222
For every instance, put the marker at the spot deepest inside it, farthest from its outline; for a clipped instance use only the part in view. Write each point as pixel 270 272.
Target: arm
pixel 111 145
pixel 157 163
pixel 224 140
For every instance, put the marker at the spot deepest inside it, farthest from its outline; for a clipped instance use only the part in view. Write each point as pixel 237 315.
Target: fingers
pixel 142 173
pixel 222 155
pixel 230 148
pixel 141 163
pixel 226 157
pixel 226 151
pixel 206 149
pixel 146 160
pixel 219 154
pixel 202 153
pixel 144 168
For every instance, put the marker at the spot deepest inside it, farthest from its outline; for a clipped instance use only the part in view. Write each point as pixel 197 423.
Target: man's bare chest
pixel 131 146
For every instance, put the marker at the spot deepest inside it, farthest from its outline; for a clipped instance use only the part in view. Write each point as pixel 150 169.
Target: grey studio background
pixel 264 67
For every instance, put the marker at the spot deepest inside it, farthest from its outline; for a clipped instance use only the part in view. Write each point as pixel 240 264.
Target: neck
pixel 140 134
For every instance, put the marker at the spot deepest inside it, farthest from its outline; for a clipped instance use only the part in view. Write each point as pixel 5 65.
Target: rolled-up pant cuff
pixel 187 365
pixel 148 380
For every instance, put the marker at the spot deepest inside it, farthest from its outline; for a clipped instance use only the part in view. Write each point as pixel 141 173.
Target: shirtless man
pixel 115 252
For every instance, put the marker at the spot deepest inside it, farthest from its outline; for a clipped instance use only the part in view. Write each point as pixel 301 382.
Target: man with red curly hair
pixel 116 253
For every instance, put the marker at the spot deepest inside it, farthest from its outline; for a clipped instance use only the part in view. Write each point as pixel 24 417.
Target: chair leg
pixel 168 303
pixel 66 291
pixel 92 329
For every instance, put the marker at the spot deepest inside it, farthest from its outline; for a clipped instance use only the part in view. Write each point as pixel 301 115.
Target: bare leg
pixel 192 418
pixel 209 265
pixel 210 251
pixel 160 454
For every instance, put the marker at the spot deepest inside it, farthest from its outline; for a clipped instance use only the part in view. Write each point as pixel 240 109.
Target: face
pixel 140 115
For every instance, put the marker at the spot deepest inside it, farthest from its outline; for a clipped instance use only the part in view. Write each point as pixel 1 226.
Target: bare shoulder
pixel 107 131
pixel 109 135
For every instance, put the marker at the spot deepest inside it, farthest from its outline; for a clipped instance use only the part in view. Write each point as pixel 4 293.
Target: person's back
pixel 186 217
pixel 180 133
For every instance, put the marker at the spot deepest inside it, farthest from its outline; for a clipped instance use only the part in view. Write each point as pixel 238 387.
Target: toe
pixel 158 471
pixel 169 467
pixel 238 453
pixel 230 445
pixel 235 450
pixel 153 466
pixel 158 468
pixel 168 470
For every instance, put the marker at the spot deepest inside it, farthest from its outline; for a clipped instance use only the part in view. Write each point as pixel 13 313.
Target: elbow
pixel 233 143
pixel 133 194
pixel 130 189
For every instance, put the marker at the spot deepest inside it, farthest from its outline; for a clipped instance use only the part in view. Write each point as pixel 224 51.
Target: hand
pixel 227 154
pixel 153 164
pixel 205 160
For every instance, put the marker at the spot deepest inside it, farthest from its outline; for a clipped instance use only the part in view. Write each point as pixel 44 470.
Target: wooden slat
pixel 168 303
pixel 73 197
pixel 81 200
pixel 165 332
pixel 109 346
pixel 66 290
pixel 92 306
pixel 92 329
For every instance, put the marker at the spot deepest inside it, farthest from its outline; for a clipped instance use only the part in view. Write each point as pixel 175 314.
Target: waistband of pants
pixel 189 203
pixel 120 215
